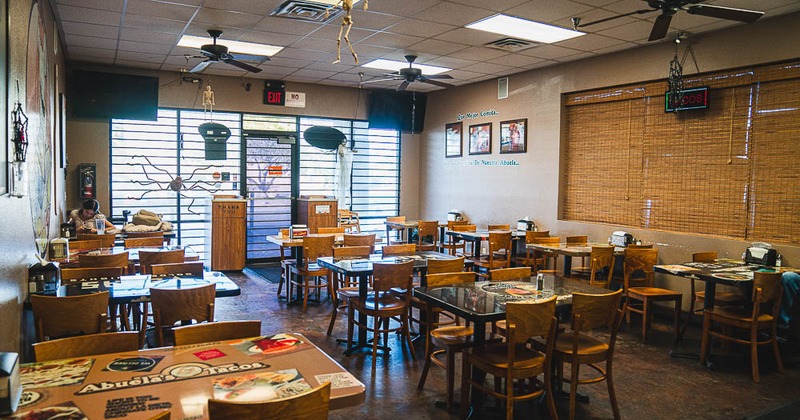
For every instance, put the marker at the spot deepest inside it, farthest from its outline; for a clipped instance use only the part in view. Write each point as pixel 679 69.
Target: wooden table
pixel 405 227
pixel 730 272
pixel 133 253
pixel 569 251
pixel 361 268
pixel 481 235
pixel 139 385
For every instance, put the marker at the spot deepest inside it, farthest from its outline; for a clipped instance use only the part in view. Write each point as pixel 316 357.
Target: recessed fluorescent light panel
pixel 233 46
pixel 397 65
pixel 525 29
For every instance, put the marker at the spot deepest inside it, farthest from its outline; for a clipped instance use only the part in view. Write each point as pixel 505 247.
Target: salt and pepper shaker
pixel 540 282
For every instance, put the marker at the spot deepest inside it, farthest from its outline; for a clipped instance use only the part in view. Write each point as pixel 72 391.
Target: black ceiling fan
pixel 412 74
pixel 669 8
pixel 217 52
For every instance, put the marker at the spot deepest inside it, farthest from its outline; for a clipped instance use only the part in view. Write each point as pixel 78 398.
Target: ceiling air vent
pixel 511 44
pixel 304 10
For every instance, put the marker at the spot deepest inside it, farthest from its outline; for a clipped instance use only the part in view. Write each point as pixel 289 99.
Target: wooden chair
pixel 498 241
pixel 312 405
pixel 395 219
pixel 545 256
pixel 146 242
pixel 382 305
pixel 152 234
pixel 445 266
pixel 451 244
pixel 360 239
pixel 56 317
pixel 527 258
pixel 85 245
pixel 639 246
pixel 76 275
pixel 427 235
pixel 106 240
pixel 173 305
pixel 498 227
pixel 449 340
pixel 579 240
pixel 110 261
pixel 643 260
pixel 698 297
pixel 601 261
pixel 400 249
pixel 345 288
pixel 435 267
pixel 193 269
pixel 216 331
pixel 579 347
pixel 308 274
pixel 515 273
pixel 349 220
pixel 148 258
pixel 762 317
pixel 86 345
pixel 330 231
pixel 513 359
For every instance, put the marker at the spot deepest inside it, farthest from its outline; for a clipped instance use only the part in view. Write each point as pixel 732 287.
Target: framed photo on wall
pixel 514 136
pixel 453 139
pixel 480 139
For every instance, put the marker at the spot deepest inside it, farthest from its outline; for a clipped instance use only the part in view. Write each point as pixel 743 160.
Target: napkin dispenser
pixel 10 388
pixel 298 231
pixel 526 224
pixel 621 238
pixel 454 216
pixel 761 254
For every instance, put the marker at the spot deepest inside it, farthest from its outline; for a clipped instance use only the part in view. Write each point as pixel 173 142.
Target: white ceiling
pixel 144 34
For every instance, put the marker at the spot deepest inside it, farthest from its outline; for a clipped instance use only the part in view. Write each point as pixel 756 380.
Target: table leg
pixel 708 303
pixel 476 396
pixel 567 265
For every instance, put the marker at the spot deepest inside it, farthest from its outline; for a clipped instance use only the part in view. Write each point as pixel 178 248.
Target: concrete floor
pixel 649 383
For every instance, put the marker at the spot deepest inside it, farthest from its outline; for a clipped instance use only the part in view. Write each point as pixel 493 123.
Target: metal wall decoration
pixel 177 184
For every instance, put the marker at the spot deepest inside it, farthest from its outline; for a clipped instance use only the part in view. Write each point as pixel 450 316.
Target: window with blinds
pixel 724 171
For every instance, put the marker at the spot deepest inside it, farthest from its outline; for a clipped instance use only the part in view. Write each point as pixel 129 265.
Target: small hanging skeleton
pixel 176 184
pixel 208 101
pixel 19 122
pixel 347 20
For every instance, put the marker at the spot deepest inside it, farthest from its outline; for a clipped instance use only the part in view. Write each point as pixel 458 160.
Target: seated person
pixel 791 294
pixel 84 218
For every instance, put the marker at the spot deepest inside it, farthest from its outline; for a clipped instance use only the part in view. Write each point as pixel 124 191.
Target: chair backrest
pixel 74 275
pixel 312 405
pixel 464 228
pixel 57 317
pixel 602 257
pixel 330 230
pixel 387 276
pixel 148 258
pixel 152 234
pixel 516 273
pixel 445 266
pixel 453 223
pixel 145 242
pixel 86 244
pixel 770 286
pixel 360 239
pixel 499 241
pixel 546 240
pixel 173 305
pixel 530 319
pixel 108 260
pixel 400 249
pixel 449 279
pixel 87 345
pixel 106 240
pixel 498 227
pixel 577 240
pixel 706 257
pixel 351 251
pixel 531 235
pixel 639 259
pixel 639 246
pixel 427 232
pixel 315 246
pixel 216 331
pixel 398 219
pixel 590 311
pixel 194 269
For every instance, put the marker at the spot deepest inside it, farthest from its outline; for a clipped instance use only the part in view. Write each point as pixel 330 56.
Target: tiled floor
pixel 649 383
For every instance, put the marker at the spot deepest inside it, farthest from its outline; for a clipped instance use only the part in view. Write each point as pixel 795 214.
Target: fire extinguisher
pixel 87 179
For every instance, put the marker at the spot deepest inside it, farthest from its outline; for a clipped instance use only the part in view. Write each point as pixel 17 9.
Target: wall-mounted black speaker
pixel 403 111
pixel 112 95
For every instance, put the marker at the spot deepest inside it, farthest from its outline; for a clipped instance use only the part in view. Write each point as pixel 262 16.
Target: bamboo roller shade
pixel 730 170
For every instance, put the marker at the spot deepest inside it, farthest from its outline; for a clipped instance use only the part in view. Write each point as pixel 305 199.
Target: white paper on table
pixel 135 278
pixel 338 379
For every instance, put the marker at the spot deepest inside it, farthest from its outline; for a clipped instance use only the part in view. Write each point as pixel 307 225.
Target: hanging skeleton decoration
pixel 19 124
pixel 675 80
pixel 347 20
pixel 176 184
pixel 208 102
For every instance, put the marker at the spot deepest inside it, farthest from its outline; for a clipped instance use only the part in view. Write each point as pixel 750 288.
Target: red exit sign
pixel 274 92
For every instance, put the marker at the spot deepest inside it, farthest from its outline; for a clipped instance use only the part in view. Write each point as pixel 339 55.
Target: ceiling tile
pixel 446 61
pixel 83 14
pixel 497 6
pixel 376 21
pixel 421 28
pixel 463 75
pixel 201 30
pixel 575 57
pixel 453 14
pixel 516 60
pixel 333 68
pixel 549 52
pixel 268 38
pixel 141 56
pixel 161 10
pixel 137 64
pixel 469 37
pixel 287 26
pixel 92 59
pixel 478 53
pixel 401 8
pixel 547 11
pixel 141 35
pixel 313 74
pixel 433 46
pixel 633 31
pixel 77 51
pixel 145 47
pixel 489 68
pixel 306 54
pixel 88 29
pixel 110 5
pixel 589 42
pixel 91 42
pixel 389 40
pixel 221 18
pixel 289 62
pixel 260 8
pixel 331 33
pixel 153 24
pixel 615 48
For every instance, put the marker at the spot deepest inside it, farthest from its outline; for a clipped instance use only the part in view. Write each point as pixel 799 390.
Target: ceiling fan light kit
pixel 410 75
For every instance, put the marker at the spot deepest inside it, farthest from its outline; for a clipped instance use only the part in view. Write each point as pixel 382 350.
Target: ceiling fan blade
pixel 435 82
pixel 638 12
pixel 728 13
pixel 208 54
pixel 241 65
pixel 403 86
pixel 201 66
pixel 660 27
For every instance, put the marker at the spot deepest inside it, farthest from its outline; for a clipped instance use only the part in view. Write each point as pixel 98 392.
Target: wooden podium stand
pixel 317 213
pixel 228 234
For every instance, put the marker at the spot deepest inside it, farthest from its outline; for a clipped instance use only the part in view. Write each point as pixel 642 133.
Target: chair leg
pixel 375 340
pixel 465 387
pixel 705 338
pixel 612 396
pixel 645 318
pixel 754 354
pixel 451 376
pixel 573 386
pixel 678 304
pixel 775 350
pixel 425 370
pixel 350 326
pixel 306 291
pixel 688 318
pixel 333 315
pixel 408 337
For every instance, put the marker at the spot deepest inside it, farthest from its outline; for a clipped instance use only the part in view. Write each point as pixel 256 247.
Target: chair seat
pixel 345 293
pixel 721 298
pixel 652 292
pixel 385 303
pixel 451 335
pixel 738 314
pixel 484 262
pixel 492 357
pixel 587 345
pixel 311 270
